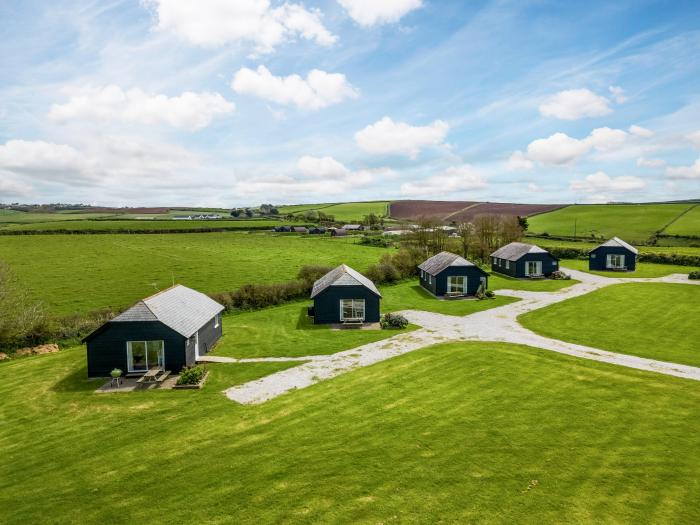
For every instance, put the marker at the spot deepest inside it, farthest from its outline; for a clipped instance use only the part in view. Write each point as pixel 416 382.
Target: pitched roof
pixel 442 260
pixel 343 275
pixel 180 308
pixel 515 250
pixel 619 243
pixel 352 226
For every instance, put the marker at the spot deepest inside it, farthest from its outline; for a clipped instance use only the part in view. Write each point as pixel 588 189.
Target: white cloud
pixel 639 131
pixel 519 162
pixel 43 159
pixel 650 163
pixel 371 12
pixel 318 90
pixel 573 104
pixel 600 181
pixel 559 148
pixel 457 179
pixel 11 189
pixel 388 137
pixel 322 167
pixel 684 172
pixel 618 94
pixel 213 23
pixel 189 111
pixel 694 138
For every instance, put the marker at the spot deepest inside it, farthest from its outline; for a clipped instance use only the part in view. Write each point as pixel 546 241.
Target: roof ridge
pixel 160 292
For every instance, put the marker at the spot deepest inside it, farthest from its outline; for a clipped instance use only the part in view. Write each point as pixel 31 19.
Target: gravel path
pixel 497 324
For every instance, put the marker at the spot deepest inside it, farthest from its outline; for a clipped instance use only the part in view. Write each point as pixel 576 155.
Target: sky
pixel 239 102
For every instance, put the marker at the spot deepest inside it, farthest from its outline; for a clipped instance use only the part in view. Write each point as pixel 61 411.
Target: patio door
pixel 533 267
pixel 352 309
pixel 616 261
pixel 456 284
pixel 144 355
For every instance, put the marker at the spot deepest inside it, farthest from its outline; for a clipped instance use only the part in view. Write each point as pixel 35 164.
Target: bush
pixel 312 272
pixel 191 375
pixel 694 275
pixel 376 240
pixel 395 321
pixel 560 276
pixel 489 294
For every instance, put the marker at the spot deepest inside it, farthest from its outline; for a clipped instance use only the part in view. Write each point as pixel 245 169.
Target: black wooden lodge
pixel 168 331
pixel 520 260
pixel 613 255
pixel 448 274
pixel 345 296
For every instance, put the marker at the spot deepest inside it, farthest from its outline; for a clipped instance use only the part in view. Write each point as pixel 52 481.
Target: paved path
pixel 497 324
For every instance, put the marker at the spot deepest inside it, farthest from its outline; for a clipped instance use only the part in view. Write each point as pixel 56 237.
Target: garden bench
pixel 353 320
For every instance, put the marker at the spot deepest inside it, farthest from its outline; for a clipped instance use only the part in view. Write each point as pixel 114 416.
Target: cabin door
pixel 533 267
pixel 616 261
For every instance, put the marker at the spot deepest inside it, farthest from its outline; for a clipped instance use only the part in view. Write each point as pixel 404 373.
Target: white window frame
pixel 495 260
pixel 430 279
pixel 353 307
pixel 217 320
pixel 507 264
pixel 449 285
pixel 538 267
pixel 130 359
pixel 609 259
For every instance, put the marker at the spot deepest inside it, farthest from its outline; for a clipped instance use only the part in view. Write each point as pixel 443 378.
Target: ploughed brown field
pixel 460 211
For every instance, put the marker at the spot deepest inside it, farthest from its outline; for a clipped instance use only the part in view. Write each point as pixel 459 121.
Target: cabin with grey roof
pixel 168 330
pixel 448 274
pixel 522 260
pixel 613 255
pixel 344 295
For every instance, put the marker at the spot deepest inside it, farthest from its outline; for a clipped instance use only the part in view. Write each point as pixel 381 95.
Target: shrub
pixel 191 375
pixel 694 275
pixel 490 294
pixel 376 240
pixel 312 272
pixel 393 321
pixel 560 276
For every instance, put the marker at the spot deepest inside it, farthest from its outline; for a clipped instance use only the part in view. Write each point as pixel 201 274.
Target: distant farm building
pixel 317 230
pixel 519 259
pixel 168 330
pixel 299 229
pixel 353 227
pixel 338 232
pixel 448 274
pixel 282 229
pixel 344 295
pixel 615 255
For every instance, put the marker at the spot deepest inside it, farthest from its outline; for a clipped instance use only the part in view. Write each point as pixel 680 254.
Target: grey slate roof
pixel 515 250
pixel 180 308
pixel 617 242
pixel 343 275
pixel 442 260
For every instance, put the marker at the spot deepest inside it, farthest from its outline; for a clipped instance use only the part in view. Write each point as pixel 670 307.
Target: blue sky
pixel 215 102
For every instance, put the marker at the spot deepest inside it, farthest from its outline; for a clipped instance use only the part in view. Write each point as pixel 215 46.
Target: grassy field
pixel 499 282
pixel 348 211
pixel 612 319
pixel 77 273
pixel 642 269
pixel 548 243
pixel 688 224
pixel 634 223
pixel 20 217
pixel 459 433
pixel 135 225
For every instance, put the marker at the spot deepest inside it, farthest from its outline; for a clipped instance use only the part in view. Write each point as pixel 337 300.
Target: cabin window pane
pixel 142 355
pixel 352 309
pixel 616 261
pixel 507 264
pixel 456 284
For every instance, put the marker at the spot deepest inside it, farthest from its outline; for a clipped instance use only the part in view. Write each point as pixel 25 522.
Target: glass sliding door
pixel 533 268
pixel 352 309
pixel 144 355
pixel 616 261
pixel 456 284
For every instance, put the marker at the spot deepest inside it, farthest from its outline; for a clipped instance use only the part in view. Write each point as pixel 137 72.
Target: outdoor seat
pixel 353 320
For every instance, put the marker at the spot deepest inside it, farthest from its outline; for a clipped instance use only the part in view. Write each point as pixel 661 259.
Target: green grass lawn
pixel 287 331
pixel 135 225
pixel 688 224
pixel 13 217
pixel 77 273
pixel 459 433
pixel 641 270
pixel 348 211
pixel 633 222
pixel 654 320
pixel 502 282
pixel 409 295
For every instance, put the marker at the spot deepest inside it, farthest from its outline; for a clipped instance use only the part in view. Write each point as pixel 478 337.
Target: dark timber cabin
pixel 317 230
pixel 615 255
pixel 345 296
pixel 338 232
pixel 519 259
pixel 168 330
pixel 448 274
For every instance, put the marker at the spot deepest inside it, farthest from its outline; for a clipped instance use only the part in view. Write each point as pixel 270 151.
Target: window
pixel 144 355
pixel 507 264
pixel 456 284
pixel 533 267
pixel 352 309
pixel 217 320
pixel 430 279
pixel 495 260
pixel 616 261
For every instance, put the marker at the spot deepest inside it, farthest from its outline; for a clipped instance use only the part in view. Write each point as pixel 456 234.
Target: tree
pixel 235 212
pixel 20 316
pixel 487 228
pixel 466 232
pixel 248 212
pixel 523 223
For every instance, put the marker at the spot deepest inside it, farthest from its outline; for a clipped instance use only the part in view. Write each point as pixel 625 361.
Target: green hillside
pixel 687 224
pixel 348 211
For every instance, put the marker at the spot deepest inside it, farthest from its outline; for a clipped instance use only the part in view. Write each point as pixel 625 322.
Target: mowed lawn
pixel 136 225
pixel 641 270
pixel 688 224
pixel 632 222
pixel 654 320
pixel 78 273
pixel 458 433
pixel 502 282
